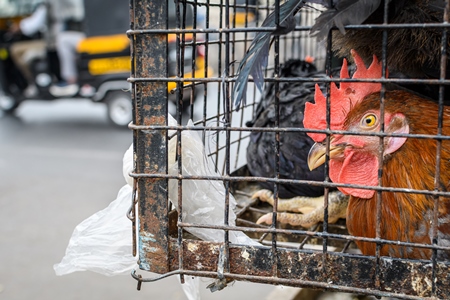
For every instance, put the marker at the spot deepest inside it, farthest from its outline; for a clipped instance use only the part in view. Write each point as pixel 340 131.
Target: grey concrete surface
pixel 60 162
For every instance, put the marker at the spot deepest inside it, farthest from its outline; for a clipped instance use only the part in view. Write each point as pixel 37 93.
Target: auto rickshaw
pixel 103 58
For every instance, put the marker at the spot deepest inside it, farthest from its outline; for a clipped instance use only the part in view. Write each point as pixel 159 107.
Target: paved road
pixel 60 162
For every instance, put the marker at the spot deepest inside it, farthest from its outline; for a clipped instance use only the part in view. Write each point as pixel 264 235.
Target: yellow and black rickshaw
pixel 103 58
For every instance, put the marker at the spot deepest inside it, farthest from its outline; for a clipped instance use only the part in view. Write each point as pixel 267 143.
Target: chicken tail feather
pixel 345 12
pixel 255 60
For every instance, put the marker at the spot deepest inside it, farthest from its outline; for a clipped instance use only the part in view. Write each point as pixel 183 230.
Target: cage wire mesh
pixel 185 57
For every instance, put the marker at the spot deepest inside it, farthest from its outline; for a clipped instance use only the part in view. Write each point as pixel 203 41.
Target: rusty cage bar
pixel 208 37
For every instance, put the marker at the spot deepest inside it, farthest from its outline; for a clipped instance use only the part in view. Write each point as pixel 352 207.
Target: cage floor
pixel 249 210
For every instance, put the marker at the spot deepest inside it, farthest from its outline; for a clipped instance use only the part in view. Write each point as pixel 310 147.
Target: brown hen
pixel 407 162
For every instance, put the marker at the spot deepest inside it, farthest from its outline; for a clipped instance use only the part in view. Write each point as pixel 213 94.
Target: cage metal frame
pixel 272 264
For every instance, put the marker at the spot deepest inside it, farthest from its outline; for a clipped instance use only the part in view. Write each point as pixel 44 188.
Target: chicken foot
pixel 312 209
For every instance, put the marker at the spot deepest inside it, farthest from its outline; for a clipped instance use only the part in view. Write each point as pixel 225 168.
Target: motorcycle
pixel 103 60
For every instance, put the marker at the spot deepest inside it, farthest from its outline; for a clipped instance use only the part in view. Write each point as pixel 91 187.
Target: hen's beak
pixel 317 154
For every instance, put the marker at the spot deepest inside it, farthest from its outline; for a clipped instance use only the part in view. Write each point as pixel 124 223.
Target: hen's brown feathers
pixel 406 217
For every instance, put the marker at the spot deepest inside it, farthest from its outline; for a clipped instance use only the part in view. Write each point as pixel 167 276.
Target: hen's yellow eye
pixel 369 120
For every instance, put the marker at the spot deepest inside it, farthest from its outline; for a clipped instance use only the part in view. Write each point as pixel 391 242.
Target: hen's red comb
pixel 343 98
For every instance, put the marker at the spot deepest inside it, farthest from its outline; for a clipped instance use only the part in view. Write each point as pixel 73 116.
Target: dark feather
pixel 340 13
pixel 255 60
pixel 324 3
pixel 411 52
pixel 346 12
pixel 294 146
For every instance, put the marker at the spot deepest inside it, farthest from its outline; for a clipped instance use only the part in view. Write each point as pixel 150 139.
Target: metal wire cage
pixel 186 67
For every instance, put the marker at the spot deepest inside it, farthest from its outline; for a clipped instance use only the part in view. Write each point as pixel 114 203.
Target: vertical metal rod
pixel 194 60
pixel 219 90
pixel 133 107
pixel 182 53
pixel 180 203
pixel 379 198
pixel 232 65
pixel 241 122
pixel 327 157
pixel 180 46
pixel 151 147
pixel 180 49
pixel 206 58
pixel 239 139
pixel 437 176
pixel 227 124
pixel 277 140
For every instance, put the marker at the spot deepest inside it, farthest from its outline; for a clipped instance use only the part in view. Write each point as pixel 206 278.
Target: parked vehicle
pixel 103 59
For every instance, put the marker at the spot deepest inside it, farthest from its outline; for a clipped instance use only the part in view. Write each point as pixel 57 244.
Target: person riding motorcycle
pixel 59 21
pixel 23 52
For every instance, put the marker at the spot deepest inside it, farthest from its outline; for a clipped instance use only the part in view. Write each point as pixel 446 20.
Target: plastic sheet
pixel 203 200
pixel 103 242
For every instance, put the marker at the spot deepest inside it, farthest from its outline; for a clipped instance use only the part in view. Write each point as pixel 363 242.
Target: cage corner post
pixel 150 62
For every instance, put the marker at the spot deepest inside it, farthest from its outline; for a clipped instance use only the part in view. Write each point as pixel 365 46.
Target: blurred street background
pixel 61 162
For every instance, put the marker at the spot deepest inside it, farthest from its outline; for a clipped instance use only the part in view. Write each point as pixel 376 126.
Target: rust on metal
pixel 411 277
pixel 150 101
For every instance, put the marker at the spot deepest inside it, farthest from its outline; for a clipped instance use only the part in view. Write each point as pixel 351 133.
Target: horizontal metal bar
pixel 277 281
pixel 293 79
pixel 289 181
pixel 297 28
pixel 286 282
pixel 288 129
pixel 314 234
pixel 304 268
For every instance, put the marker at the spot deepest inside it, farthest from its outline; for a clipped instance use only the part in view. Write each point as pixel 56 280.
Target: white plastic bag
pixel 103 242
pixel 203 200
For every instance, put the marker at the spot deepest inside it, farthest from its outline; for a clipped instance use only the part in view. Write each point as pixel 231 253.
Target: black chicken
pixel 294 148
